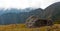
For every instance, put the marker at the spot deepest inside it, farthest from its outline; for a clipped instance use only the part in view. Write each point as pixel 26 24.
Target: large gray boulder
pixel 33 22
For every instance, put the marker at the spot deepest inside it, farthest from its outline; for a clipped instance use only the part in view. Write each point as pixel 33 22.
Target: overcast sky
pixel 26 3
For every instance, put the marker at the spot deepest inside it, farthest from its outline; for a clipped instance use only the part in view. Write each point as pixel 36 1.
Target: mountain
pixel 53 11
pixel 14 16
pixel 23 16
pixel 37 12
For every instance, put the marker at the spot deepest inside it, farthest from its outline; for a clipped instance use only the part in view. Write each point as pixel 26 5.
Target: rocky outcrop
pixel 33 22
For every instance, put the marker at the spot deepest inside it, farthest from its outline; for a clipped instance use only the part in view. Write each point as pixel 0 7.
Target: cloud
pixel 25 3
pixel 46 3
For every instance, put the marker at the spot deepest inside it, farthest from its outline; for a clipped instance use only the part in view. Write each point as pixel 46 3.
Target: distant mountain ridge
pixel 14 10
pixel 15 16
